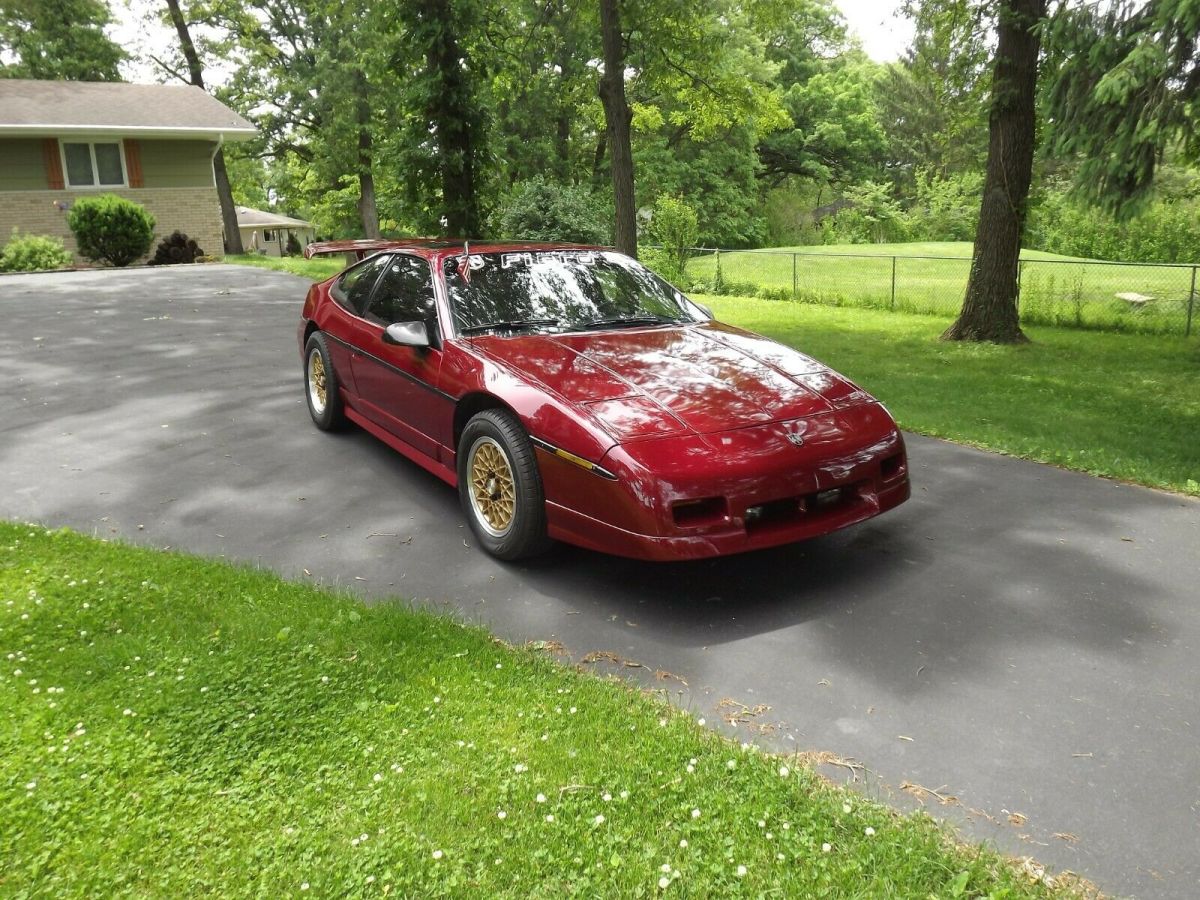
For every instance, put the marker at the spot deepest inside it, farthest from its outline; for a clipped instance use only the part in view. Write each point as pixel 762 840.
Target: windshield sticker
pixel 581 257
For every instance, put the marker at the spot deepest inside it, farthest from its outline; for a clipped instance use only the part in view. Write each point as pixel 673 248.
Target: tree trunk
pixel 618 118
pixel 989 311
pixel 367 210
pixel 451 111
pixel 233 237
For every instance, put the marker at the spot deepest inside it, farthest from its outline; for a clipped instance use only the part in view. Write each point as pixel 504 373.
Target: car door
pixel 350 293
pixel 398 385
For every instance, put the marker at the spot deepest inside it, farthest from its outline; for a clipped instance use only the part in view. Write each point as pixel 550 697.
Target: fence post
pixel 1020 271
pixel 1187 331
pixel 794 285
pixel 893 284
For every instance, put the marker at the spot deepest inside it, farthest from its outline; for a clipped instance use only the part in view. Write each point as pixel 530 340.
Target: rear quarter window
pixel 352 288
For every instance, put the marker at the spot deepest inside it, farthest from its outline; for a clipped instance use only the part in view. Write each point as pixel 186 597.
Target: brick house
pixel 152 143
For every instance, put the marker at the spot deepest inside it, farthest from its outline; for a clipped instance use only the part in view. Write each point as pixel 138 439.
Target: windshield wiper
pixel 629 321
pixel 511 325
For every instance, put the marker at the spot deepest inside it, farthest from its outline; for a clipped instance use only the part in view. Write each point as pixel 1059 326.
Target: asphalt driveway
pixel 1017 637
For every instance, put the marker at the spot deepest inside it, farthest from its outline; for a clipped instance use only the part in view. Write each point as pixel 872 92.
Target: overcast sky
pixel 884 33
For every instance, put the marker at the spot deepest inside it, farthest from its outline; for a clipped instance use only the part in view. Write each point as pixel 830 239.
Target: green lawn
pixel 174 727
pixel 317 269
pixel 1124 406
pixel 931 279
pixel 1121 405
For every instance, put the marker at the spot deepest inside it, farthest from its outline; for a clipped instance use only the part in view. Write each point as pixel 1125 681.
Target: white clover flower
pixel 540 798
pixel 741 871
pixel 869 831
pixel 550 817
pixel 31 786
pixel 826 847
pixel 683 843
pixel 545 737
pixel 520 767
pixel 624 795
pixel 665 867
pixel 786 826
pixel 662 723
pixel 370 879
pixel 127 712
pixel 784 771
pixel 324 679
pixel 304 886
pixel 731 764
pixel 572 710
pixel 502 815
pixel 695 813
pixel 664 882
pixel 378 777
pixel 780 857
pixel 437 854
pixel 762 823
pixel 600 819
pixel 846 807
pixel 606 797
pixel 770 837
pixel 700 721
pixel 437 699
pixel 691 769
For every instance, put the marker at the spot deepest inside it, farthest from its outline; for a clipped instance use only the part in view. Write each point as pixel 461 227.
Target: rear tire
pixel 500 486
pixel 321 388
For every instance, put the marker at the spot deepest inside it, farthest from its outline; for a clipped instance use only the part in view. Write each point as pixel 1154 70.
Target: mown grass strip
pixel 174 727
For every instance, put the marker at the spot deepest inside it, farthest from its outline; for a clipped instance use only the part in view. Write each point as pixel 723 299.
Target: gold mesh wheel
pixel 317 389
pixel 492 489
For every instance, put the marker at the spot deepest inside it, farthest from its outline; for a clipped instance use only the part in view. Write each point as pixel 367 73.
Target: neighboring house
pixel 152 143
pixel 267 233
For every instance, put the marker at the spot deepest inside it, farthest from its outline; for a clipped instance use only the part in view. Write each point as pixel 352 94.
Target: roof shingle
pixel 51 107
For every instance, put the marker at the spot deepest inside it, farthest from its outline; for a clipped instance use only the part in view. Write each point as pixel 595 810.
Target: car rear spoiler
pixel 361 248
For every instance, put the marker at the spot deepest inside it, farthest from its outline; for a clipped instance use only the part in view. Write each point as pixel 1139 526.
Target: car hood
pixel 648 382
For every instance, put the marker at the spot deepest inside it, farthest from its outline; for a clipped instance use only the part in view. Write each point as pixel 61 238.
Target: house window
pixel 94 164
pixel 269 235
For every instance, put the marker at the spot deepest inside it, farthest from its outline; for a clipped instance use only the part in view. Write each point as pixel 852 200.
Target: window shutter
pixel 54 171
pixel 133 163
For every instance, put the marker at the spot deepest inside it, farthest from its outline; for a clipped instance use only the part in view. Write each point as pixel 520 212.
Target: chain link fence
pixel 1157 298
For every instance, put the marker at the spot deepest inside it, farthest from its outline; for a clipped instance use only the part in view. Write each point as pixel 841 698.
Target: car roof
pixel 434 248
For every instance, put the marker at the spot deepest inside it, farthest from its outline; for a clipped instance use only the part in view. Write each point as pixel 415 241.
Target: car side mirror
pixel 406 334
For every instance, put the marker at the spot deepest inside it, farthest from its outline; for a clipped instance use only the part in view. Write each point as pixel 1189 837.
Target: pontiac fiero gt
pixel 571 394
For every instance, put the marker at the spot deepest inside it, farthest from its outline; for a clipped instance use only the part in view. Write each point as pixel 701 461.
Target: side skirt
pixel 408 451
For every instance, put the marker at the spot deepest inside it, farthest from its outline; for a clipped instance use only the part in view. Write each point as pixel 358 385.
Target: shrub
pixel 540 211
pixel 675 227
pixel 111 228
pixel 178 248
pixel 33 253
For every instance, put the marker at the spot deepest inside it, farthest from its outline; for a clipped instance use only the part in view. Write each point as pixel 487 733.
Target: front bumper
pixel 697 496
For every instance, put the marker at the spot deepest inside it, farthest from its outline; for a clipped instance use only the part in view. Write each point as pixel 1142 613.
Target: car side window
pixel 353 288
pixel 404 294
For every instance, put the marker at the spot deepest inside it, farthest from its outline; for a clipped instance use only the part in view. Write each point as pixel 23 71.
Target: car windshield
pixel 567 290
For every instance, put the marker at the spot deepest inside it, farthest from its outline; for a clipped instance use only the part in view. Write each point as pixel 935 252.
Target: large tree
pixel 58 39
pixel 1125 91
pixel 989 311
pixel 195 75
pixel 698 69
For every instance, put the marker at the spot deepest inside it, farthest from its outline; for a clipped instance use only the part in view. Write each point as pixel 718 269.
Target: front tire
pixel 500 486
pixel 321 388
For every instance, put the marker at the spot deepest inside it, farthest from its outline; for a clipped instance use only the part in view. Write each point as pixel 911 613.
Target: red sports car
pixel 572 394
